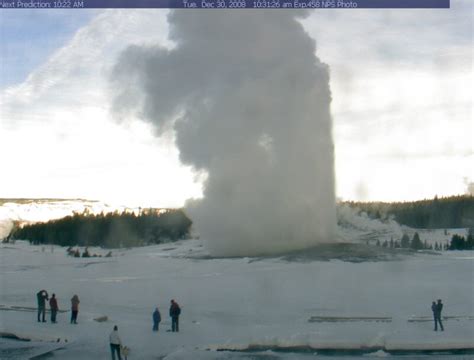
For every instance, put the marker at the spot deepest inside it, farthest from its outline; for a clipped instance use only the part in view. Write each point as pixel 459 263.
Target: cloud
pixel 401 84
pixel 30 36
pixel 469 187
pixel 62 141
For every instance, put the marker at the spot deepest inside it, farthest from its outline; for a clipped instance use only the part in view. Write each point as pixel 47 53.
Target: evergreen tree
pixel 449 212
pixel 470 242
pixel 109 230
pixel 416 242
pixel 405 242
pixel 470 231
pixel 457 243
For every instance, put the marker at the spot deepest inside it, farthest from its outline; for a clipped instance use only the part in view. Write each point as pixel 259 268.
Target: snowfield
pixel 322 306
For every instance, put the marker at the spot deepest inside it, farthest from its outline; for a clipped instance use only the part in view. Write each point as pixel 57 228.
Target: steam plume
pixel 249 104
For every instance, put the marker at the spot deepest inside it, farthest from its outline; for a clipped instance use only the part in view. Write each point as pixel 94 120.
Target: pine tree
pixel 457 243
pixel 470 242
pixel 405 242
pixel 416 242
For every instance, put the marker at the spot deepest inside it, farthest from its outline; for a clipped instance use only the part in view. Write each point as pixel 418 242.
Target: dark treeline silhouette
pixel 459 242
pixel 405 243
pixel 109 230
pixel 448 212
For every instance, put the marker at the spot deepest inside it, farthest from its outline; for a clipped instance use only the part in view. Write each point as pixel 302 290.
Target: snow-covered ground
pixel 237 303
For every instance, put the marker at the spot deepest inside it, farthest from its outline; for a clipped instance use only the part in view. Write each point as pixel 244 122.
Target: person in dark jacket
pixel 175 311
pixel 53 304
pixel 433 309
pixel 74 309
pixel 156 319
pixel 41 297
pixel 437 308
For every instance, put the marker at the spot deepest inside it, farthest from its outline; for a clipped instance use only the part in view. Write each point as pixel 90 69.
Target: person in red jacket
pixel 53 304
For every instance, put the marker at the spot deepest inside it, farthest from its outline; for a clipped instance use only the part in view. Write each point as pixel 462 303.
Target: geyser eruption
pixel 249 105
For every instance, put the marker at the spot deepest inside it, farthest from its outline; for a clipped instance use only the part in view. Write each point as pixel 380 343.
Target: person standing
pixel 175 311
pixel 156 319
pixel 41 297
pixel 115 343
pixel 434 310
pixel 74 309
pixel 437 315
pixel 53 304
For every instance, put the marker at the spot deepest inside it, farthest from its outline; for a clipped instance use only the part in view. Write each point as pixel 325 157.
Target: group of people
pixel 437 308
pixel 42 297
pixel 116 347
pixel 174 312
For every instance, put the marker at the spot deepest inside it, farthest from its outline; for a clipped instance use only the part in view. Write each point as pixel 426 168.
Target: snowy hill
pixel 354 227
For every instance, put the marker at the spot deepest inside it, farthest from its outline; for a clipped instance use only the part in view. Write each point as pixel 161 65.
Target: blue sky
pixel 28 37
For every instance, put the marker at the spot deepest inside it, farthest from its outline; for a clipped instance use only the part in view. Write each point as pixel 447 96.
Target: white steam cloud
pixel 249 104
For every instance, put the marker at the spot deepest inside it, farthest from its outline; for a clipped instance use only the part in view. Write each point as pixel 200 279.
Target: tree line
pixel 405 243
pixel 459 242
pixel 110 230
pixel 447 212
